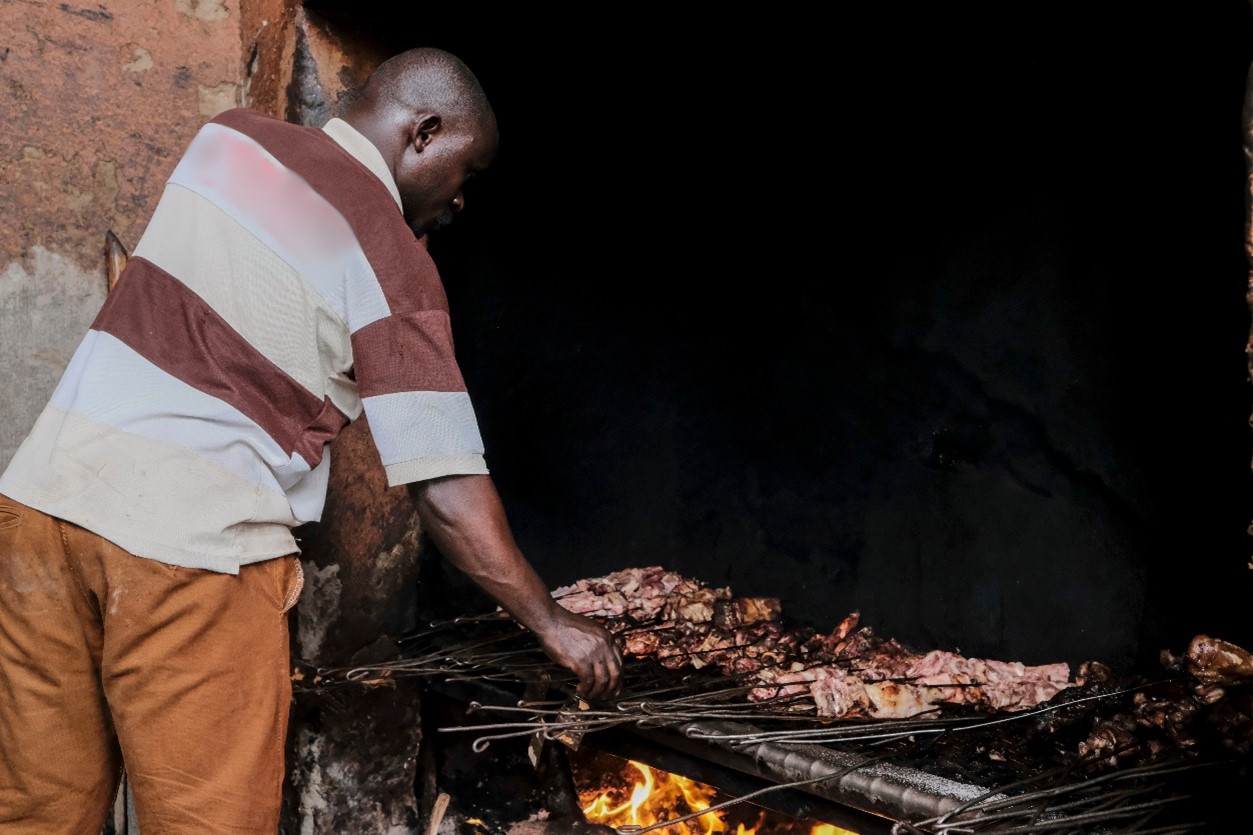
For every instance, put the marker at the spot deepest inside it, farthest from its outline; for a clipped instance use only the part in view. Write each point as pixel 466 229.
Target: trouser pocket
pixel 10 514
pixel 292 581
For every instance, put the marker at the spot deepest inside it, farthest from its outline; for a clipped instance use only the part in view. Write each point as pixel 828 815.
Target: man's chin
pixel 426 229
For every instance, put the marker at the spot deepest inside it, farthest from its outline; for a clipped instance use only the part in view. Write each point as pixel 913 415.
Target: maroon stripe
pixel 404 268
pixel 177 331
pixel 410 352
pixel 321 431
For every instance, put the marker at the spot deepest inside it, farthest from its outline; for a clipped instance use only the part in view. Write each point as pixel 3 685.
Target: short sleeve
pixel 412 390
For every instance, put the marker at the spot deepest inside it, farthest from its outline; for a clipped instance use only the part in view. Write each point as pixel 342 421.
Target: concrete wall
pixel 98 100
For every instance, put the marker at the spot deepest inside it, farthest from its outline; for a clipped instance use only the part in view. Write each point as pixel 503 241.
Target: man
pixel 146 556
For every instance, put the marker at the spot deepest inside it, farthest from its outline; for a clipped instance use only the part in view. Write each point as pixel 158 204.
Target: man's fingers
pixel 600 678
pixel 593 656
pixel 611 661
pixel 589 680
pixel 613 671
pixel 616 680
pixel 610 671
pixel 584 687
pixel 603 676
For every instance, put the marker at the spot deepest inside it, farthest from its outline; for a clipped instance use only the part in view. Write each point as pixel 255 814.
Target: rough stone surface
pixel 98 100
pixel 332 61
pixel 354 751
pixel 268 38
pixel 46 303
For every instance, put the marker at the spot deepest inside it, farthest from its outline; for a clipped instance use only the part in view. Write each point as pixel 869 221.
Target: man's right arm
pixel 465 518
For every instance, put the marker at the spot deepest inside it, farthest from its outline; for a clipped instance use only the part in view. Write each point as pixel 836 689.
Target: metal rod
pixel 635 829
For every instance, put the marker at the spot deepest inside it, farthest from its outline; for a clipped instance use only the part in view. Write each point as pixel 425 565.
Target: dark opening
pixel 934 314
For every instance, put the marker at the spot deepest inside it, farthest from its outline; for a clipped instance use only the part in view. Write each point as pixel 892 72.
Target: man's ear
pixel 423 129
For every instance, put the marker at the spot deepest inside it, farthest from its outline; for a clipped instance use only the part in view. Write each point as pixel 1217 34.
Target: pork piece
pixel 734 651
pixel 875 658
pixel 928 680
pixel 1215 661
pixel 692 601
pixel 899 700
pixel 779 647
pixel 1000 685
pixel 743 650
pixel 832 692
pixel 1111 739
pixel 738 611
pixel 716 642
pixel 1170 718
pixel 1094 672
pixel 676 645
pixel 830 647
pixel 785 684
pixel 861 650
pixel 640 642
pixel 836 694
pixel 839 696
pixel 1168 708
pixel 638 593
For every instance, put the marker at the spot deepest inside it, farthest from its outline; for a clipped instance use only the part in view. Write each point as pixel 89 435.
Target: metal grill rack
pixel 952 771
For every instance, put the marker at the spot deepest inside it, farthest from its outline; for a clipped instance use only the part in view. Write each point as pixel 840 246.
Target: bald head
pixel 426 79
pixel 428 116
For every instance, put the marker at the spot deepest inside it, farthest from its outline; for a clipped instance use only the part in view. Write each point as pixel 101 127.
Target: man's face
pixel 431 179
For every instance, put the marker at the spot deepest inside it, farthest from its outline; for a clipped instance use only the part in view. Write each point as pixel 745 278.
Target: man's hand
pixel 585 648
pixel 464 517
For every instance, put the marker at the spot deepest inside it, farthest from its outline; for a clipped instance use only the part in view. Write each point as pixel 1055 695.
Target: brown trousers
pixel 107 658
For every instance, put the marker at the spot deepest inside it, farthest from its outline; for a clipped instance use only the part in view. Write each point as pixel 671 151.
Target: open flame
pixel 658 796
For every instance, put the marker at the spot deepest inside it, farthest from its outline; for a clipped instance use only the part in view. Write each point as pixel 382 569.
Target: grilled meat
pixel 887 681
pixel 638 593
pixel 642 594
pixel 738 611
pixel 693 602
pixel 848 672
pixel 1215 661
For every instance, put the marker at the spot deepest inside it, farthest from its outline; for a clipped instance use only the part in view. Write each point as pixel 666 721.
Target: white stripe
pixel 259 295
pixel 153 499
pixel 109 383
pixel 428 468
pixel 412 425
pixel 276 205
pixel 308 495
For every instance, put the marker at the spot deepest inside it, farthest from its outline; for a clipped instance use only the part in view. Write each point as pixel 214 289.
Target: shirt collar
pixel 363 150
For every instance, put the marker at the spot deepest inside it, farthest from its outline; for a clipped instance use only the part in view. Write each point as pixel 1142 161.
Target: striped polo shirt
pixel 276 292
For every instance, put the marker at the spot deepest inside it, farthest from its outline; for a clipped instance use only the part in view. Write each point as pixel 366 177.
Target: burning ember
pixel 640 795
